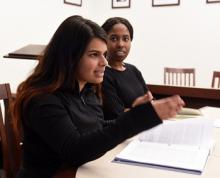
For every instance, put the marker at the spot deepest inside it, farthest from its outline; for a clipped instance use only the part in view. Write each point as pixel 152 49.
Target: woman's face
pixel 92 64
pixel 119 42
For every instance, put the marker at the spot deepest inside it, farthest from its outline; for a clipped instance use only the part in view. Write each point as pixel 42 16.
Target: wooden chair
pixel 216 79
pixel 179 76
pixel 66 173
pixel 10 138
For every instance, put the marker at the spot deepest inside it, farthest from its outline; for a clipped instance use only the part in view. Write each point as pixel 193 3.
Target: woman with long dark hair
pixel 59 105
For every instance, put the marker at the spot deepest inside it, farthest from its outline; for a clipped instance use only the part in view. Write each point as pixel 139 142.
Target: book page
pixel 194 132
pixel 190 111
pixel 212 113
pixel 182 144
pixel 182 157
pixel 186 113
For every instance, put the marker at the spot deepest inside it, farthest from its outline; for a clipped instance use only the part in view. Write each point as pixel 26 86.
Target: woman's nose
pixel 104 61
pixel 120 42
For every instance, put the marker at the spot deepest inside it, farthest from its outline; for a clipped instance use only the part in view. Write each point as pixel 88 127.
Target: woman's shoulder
pixel 46 99
pixel 131 67
pixel 109 73
pixel 109 69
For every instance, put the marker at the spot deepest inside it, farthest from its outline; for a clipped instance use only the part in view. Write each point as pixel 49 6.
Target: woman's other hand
pixel 143 99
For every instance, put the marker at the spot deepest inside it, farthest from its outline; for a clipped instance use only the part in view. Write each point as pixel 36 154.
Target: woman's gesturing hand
pixel 168 107
pixel 165 108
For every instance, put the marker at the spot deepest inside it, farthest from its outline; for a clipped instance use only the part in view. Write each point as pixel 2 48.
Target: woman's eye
pixel 113 38
pixel 93 55
pixel 126 39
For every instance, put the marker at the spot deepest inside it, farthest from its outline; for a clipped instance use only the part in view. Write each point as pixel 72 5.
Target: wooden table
pixel 31 51
pixel 105 168
pixel 193 96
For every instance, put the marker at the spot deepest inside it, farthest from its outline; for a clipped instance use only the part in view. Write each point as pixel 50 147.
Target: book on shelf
pixel 180 144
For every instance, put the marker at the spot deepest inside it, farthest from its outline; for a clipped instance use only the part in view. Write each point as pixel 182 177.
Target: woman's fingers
pixel 168 107
pixel 143 99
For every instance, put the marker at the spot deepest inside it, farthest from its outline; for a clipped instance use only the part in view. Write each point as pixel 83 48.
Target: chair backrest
pixel 179 76
pixel 66 173
pixel 10 138
pixel 216 79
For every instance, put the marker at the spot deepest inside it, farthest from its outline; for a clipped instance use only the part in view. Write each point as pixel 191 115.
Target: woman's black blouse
pixel 120 89
pixel 68 128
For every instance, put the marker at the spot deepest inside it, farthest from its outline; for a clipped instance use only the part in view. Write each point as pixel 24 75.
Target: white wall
pixel 29 22
pixel 181 36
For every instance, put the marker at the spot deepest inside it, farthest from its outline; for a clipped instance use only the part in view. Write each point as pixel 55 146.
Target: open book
pixel 182 144
pixel 186 113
